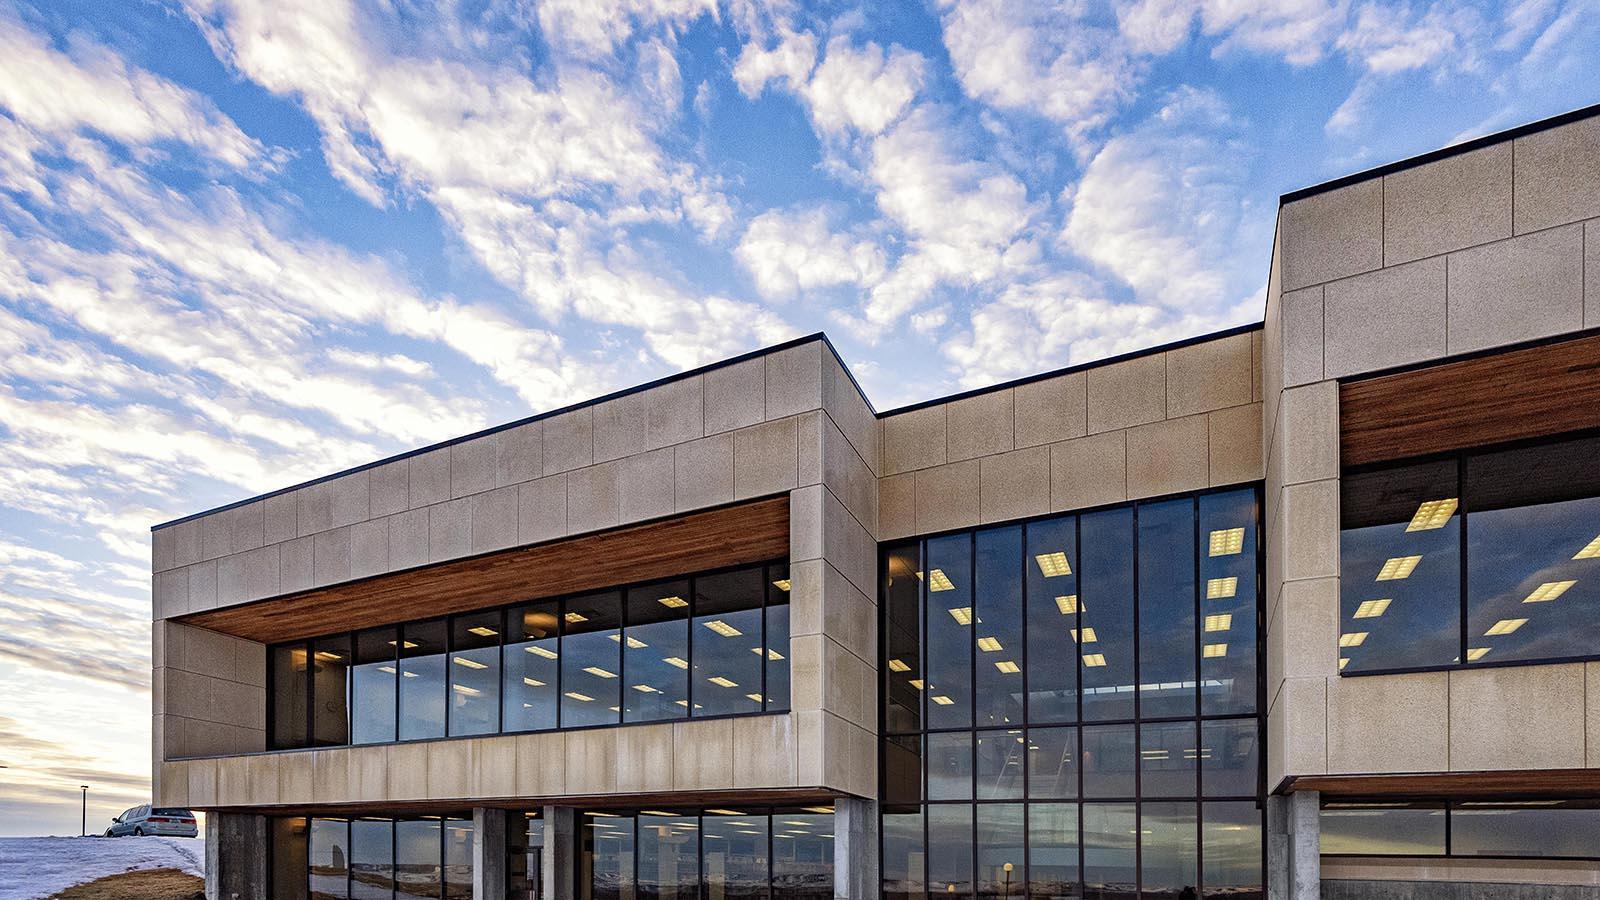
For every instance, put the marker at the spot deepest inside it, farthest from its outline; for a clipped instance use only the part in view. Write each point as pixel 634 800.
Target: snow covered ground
pixel 32 868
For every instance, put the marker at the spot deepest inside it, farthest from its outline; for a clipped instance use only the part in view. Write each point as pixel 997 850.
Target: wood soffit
pixel 1526 393
pixel 1466 785
pixel 733 535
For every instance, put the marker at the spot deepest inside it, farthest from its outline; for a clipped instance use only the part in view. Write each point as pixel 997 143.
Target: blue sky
pixel 244 243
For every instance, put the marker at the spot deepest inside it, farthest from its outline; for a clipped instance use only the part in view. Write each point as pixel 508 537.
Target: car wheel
pixel 138 832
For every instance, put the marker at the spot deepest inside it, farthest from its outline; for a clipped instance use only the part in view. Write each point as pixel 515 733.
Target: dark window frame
pixel 1459 459
pixel 1200 799
pixel 443 819
pixel 768 568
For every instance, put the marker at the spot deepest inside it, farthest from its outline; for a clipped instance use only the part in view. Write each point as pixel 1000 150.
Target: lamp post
pixel 83 828
pixel 1008 880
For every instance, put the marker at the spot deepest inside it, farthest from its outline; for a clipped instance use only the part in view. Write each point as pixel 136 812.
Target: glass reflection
pixel 1169 845
pixel 950 850
pixel 1000 849
pixel 1533 553
pixel 289 860
pixel 607 860
pixel 1108 761
pixel 1052 564
pixel 728 649
pixel 475 673
pixel 1383 829
pixel 1569 828
pixel 372 685
pixel 997 618
pixel 948 589
pixel 902 672
pixel 417 866
pixel 657 631
pixel 1228 591
pixel 902 853
pixel 1231 848
pixel 1230 758
pixel 330 859
pixel 524 856
pixel 422 680
pixel 1166 609
pixel 458 840
pixel 669 861
pixel 1400 590
pixel 371 859
pixel 1110 851
pixel 1000 764
pixel 777 692
pixel 902 769
pixel 330 690
pixel 1105 614
pixel 950 766
pixel 591 660
pixel 735 848
pixel 1053 850
pixel 1167 758
pixel 802 855
pixel 1052 763
pixel 532 667
pixel 289 696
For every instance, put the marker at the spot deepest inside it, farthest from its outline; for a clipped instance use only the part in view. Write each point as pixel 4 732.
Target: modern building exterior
pixel 1303 608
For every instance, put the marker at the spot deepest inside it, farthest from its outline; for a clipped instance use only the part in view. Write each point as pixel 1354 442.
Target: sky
pixel 247 242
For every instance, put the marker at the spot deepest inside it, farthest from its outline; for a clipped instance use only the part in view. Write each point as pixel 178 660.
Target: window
pixel 713 854
pixel 372 684
pixel 422 680
pixel 1115 754
pixel 1482 557
pixel 1508 829
pixel 524 856
pixel 370 857
pixel 475 673
pixel 656 640
pixel 715 644
pixel 728 647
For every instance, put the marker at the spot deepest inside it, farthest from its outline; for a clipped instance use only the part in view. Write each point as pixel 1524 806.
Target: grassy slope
pixel 149 884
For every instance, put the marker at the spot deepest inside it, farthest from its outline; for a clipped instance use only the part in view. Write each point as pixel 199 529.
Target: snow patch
pixel 32 868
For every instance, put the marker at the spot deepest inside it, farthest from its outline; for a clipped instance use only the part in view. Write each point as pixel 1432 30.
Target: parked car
pixel 143 820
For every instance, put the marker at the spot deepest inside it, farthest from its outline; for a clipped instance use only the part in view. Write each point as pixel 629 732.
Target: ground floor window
pixel 715 854
pixel 371 858
pixel 1529 828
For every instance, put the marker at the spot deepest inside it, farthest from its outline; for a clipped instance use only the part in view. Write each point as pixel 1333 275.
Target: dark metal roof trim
pixel 1477 143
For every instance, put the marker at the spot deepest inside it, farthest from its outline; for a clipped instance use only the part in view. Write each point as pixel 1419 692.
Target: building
pixel 1305 607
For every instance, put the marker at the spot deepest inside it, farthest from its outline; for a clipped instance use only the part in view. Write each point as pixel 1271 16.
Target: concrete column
pixel 560 861
pixel 236 856
pixel 855 849
pixel 1294 856
pixel 488 854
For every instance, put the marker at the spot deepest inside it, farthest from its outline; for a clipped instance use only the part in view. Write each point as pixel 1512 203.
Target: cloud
pixel 1162 207
pixel 788 61
pixel 789 253
pixel 89 89
pixel 863 88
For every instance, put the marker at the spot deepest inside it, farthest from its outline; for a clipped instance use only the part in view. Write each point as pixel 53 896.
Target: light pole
pixel 1008 880
pixel 83 830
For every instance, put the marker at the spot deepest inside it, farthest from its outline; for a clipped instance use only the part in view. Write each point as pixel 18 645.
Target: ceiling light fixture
pixel 1053 565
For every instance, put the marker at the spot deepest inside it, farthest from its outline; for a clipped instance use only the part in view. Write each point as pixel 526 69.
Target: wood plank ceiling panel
pixel 733 535
pixel 1525 393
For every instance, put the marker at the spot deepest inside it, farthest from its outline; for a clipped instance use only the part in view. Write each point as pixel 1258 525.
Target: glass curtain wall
pixel 1473 559
pixel 712 854
pixel 715 644
pixel 1505 829
pixel 369 857
pixel 1070 706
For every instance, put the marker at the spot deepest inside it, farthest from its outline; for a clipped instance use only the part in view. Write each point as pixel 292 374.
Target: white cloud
pixel 1049 59
pixel 863 88
pixel 91 89
pixel 595 28
pixel 792 252
pixel 789 62
pixel 1162 207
